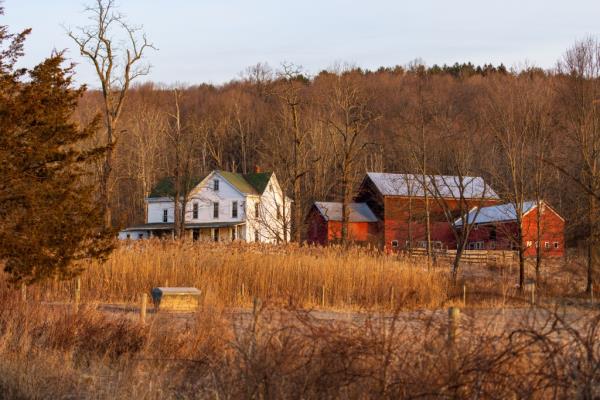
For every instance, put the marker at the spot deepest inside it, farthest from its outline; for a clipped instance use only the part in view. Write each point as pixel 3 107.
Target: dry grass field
pixel 399 348
pixel 356 279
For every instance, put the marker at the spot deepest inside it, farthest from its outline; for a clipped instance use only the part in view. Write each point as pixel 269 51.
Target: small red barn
pixel 325 223
pixel 496 227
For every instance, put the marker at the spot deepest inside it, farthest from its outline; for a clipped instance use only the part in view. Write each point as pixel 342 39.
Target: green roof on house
pixel 165 187
pixel 254 183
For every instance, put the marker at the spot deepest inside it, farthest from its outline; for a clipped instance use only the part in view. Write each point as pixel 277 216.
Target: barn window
pixel 165 215
pixel 216 185
pixel 547 245
pixel 234 209
pixel 529 243
pixel 216 210
pixel 556 245
pixel 195 211
pixel 394 244
pixel 492 245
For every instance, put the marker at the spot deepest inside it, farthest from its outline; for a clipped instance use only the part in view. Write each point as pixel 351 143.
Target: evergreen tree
pixel 50 221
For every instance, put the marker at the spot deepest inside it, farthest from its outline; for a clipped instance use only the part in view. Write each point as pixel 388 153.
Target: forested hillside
pixel 528 130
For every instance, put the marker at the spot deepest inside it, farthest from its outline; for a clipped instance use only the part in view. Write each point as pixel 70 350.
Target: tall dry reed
pixel 234 274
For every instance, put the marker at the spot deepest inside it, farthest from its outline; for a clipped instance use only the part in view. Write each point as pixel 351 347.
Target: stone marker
pixel 176 298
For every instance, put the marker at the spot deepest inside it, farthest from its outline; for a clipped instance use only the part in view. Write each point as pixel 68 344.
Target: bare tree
pixel 296 166
pixel 579 95
pixel 349 115
pixel 183 140
pixel 513 120
pixel 116 68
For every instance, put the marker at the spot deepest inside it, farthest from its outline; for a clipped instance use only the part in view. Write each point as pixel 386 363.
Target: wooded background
pixel 529 128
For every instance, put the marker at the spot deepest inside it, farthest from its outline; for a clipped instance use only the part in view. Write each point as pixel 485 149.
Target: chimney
pixel 257 169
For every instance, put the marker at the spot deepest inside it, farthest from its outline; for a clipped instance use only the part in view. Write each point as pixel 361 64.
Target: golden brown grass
pixel 232 275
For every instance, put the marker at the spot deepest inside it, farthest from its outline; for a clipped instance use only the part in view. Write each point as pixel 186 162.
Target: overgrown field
pixel 54 352
pixel 398 348
pixel 232 275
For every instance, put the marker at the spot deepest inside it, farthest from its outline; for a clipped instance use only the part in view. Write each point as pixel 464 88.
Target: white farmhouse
pixel 224 206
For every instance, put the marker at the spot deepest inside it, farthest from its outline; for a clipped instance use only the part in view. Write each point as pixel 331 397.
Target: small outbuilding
pixel 496 228
pixel 325 223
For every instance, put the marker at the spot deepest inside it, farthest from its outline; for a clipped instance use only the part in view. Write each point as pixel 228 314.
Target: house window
pixel 128 236
pixel 556 245
pixel 195 211
pixel 165 215
pixel 256 210
pixel 216 185
pixel 394 244
pixel 140 235
pixel 234 209
pixel 216 234
pixel 216 210
pixel 256 235
pixel 233 233
pixel 278 212
pixel 546 245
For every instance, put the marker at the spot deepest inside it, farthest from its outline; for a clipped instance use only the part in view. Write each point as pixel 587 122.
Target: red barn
pixel 400 200
pixel 496 227
pixel 325 223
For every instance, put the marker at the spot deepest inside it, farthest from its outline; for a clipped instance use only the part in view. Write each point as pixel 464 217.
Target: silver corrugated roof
pixel 359 212
pixel 441 185
pixel 500 213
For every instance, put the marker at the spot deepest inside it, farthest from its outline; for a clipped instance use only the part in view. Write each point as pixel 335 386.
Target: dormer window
pixel 216 185
pixel 165 215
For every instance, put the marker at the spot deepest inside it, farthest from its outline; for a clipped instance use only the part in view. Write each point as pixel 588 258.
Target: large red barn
pixel 400 200
pixel 496 227
pixel 325 223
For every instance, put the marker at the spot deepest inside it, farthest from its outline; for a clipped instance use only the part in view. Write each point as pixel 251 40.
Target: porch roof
pixel 169 226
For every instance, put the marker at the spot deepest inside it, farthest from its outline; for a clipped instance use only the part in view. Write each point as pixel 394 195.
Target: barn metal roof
pixel 446 186
pixel 359 212
pixel 500 213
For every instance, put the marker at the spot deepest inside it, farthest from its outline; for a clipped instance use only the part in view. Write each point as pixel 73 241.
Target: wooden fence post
pixel 77 293
pixel 453 323
pixel 464 294
pixel 592 295
pixel 143 308
pixel 532 295
pixel 23 292
pixel 323 296
pixel 392 298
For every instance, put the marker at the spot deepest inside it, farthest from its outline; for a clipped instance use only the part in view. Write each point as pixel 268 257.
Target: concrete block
pixel 181 299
